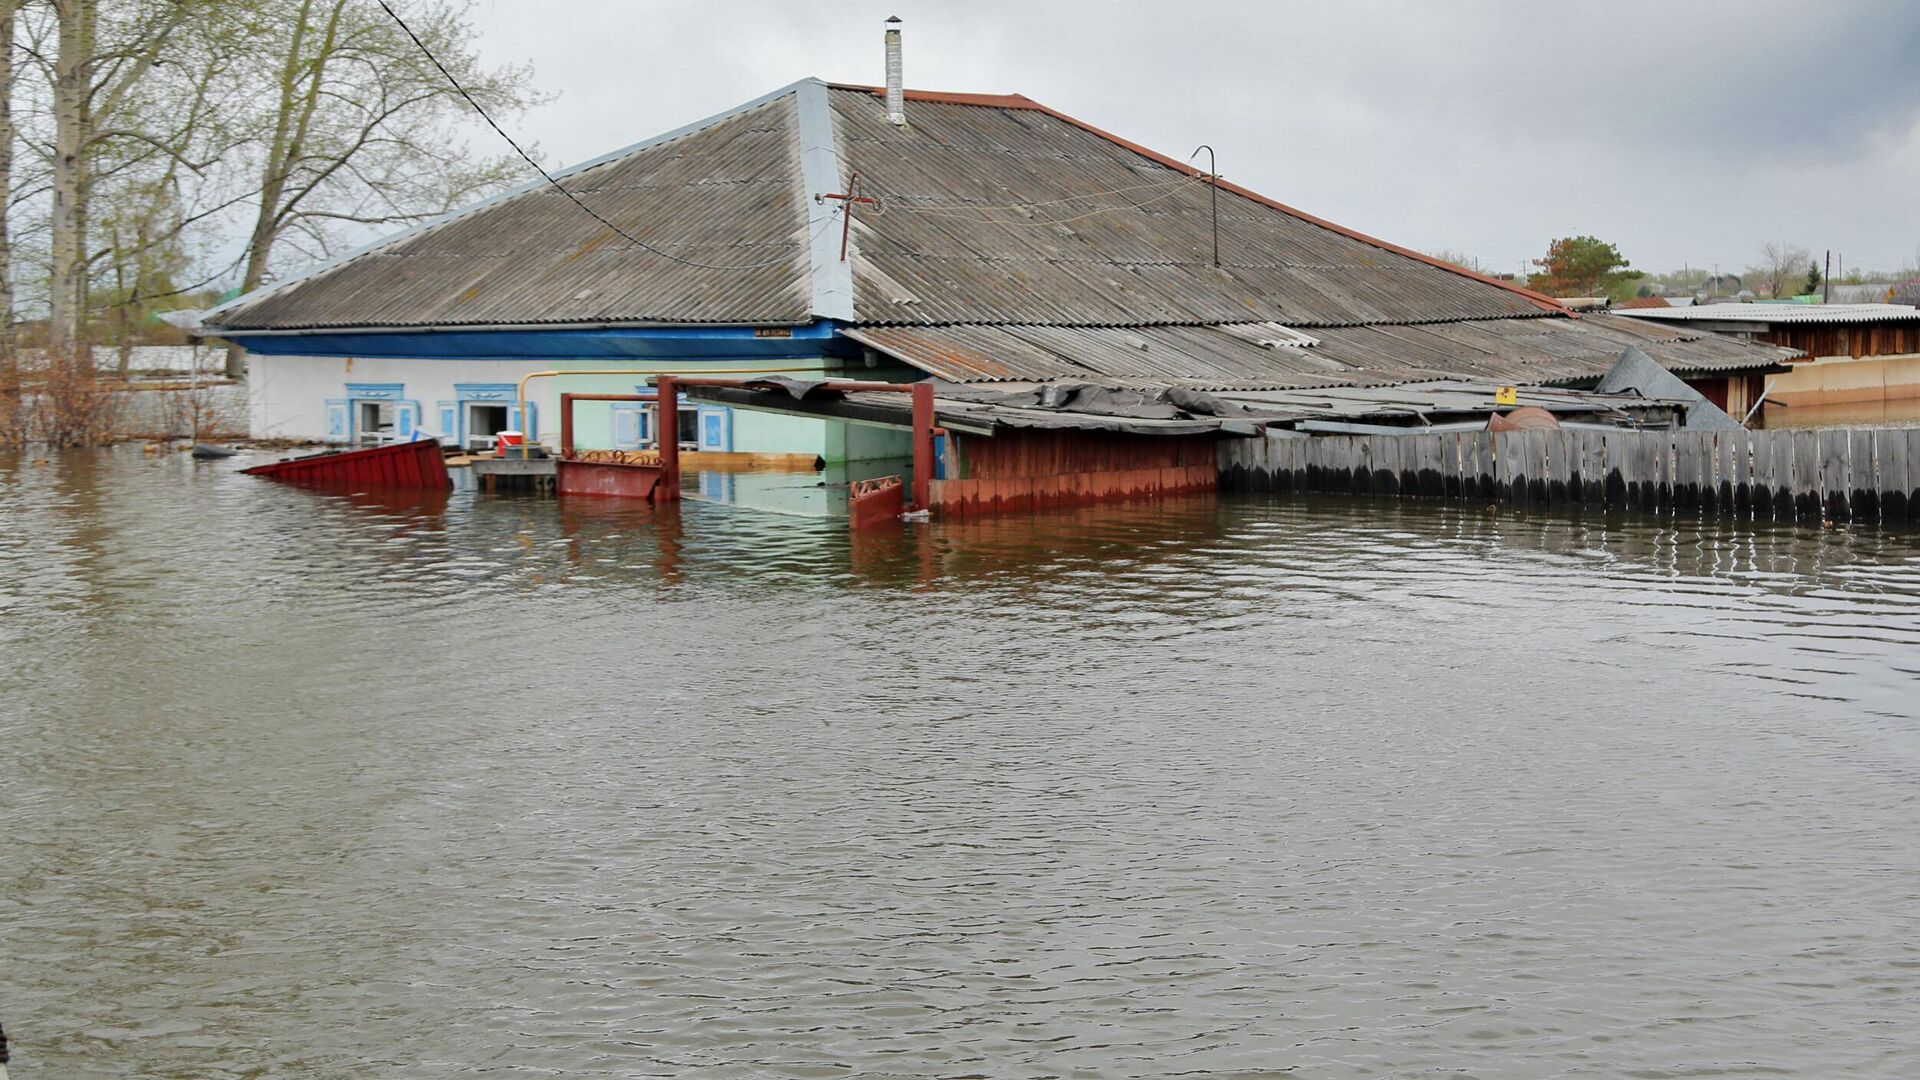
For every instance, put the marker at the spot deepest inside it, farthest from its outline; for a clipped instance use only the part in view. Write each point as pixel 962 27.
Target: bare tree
pixel 162 196
pixel 1781 267
pixel 9 362
pixel 95 88
pixel 362 128
pixel 1460 259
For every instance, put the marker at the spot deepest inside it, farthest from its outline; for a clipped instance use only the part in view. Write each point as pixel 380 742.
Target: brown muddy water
pixel 305 785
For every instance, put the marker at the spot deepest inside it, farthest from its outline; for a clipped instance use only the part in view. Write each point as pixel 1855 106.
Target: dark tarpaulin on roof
pixel 1155 410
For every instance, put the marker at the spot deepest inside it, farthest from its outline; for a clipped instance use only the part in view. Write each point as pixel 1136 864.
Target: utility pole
pixel 1826 286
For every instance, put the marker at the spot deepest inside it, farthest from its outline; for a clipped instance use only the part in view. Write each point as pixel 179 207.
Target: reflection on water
pixel 308 784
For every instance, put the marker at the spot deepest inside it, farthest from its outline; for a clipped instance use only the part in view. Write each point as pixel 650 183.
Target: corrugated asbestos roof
pixel 1012 213
pixel 1530 351
pixel 727 194
pixel 1009 242
pixel 1782 313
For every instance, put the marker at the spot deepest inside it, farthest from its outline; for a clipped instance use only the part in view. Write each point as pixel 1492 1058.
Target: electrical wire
pixel 548 177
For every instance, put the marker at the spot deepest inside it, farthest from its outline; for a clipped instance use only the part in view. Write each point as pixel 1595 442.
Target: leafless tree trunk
pixel 67 289
pixel 293 113
pixel 9 362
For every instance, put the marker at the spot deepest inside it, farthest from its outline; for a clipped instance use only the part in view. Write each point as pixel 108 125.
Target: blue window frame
pixel 373 413
pixel 457 417
pixel 632 425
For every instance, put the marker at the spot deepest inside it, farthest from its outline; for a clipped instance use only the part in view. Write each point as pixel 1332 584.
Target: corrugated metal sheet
pixel 1156 411
pixel 726 195
pixel 1544 350
pixel 1780 313
pixel 995 215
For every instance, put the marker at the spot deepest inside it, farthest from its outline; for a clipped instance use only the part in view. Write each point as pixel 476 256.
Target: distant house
pixel 1642 302
pixel 1860 352
pixel 1001 241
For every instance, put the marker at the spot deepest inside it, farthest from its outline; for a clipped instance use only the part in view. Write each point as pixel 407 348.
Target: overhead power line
pixel 548 177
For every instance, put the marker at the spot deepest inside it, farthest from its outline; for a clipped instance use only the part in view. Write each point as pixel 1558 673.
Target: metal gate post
pixel 566 425
pixel 666 438
pixel 922 445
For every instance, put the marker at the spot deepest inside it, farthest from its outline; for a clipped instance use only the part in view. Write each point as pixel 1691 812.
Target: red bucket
pixel 506 440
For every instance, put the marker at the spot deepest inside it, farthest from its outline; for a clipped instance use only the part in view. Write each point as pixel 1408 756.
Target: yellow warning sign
pixel 1507 395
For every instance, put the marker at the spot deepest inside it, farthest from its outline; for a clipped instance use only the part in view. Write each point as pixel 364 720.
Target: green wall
pixel 753 432
pixel 861 442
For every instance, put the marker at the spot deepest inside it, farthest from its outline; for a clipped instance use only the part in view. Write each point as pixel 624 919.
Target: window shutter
pixel 339 422
pixel 626 427
pixel 716 428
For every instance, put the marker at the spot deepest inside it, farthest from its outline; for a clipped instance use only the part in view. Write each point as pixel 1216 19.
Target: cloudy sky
pixel 1684 132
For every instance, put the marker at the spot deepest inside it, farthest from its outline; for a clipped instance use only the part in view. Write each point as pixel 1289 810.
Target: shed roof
pixel 1781 313
pixel 1531 351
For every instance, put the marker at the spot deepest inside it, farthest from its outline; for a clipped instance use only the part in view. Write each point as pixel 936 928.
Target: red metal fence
pixel 875 502
pixel 1029 470
pixel 417 464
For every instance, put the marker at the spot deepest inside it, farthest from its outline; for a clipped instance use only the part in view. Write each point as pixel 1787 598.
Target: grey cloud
pixel 1685 132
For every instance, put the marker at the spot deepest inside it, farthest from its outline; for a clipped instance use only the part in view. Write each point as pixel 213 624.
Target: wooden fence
pixel 1839 475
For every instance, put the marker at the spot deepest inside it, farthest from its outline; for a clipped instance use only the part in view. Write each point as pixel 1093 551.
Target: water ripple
pixel 303 784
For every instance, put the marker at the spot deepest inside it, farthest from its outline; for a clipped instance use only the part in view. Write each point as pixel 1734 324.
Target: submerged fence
pixel 1856 475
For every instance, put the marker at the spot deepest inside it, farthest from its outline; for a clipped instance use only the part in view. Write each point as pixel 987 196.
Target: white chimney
pixel 896 90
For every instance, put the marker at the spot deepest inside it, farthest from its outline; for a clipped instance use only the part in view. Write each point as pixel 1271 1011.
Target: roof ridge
pixel 951 97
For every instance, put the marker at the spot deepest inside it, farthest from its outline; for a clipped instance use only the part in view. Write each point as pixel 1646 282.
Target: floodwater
pixel 306 785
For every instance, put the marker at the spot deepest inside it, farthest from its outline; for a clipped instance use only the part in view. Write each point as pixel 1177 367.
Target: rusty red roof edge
pixel 1021 101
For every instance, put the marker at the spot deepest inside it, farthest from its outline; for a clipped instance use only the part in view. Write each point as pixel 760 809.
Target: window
pixel 375 422
pixel 483 423
pixel 689 427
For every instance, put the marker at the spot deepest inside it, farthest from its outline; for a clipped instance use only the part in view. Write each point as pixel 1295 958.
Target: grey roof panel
pixel 1779 313
pixel 728 194
pixel 1015 215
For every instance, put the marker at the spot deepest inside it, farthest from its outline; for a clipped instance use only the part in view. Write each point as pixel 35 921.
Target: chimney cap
pixel 893 18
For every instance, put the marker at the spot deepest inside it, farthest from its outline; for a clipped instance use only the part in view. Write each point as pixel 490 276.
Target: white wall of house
pixel 309 397
pixel 292 396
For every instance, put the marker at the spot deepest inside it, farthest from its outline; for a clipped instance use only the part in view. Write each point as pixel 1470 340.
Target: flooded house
pixel 828 231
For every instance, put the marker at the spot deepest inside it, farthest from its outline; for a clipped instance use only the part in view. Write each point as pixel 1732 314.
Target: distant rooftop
pixel 1779 313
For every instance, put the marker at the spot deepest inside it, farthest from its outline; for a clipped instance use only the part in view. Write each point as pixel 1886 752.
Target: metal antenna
pixel 1213 175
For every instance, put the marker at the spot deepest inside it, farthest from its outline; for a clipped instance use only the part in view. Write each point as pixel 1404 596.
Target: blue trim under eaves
pixel 615 343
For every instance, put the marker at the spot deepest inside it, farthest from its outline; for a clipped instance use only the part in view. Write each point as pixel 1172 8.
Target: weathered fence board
pixel 1864 475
